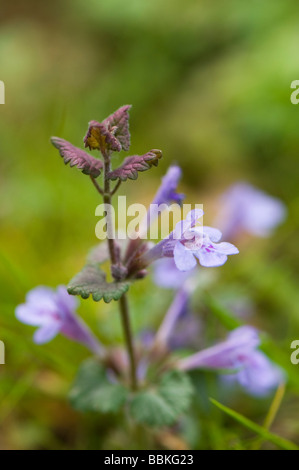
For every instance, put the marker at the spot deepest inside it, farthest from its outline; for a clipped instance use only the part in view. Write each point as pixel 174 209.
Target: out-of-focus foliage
pixel 210 86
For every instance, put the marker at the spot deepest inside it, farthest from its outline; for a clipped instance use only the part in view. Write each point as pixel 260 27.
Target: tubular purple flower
pixel 186 333
pixel 224 355
pixel 165 195
pixel 176 310
pixel 258 375
pixel 250 367
pixel 167 275
pixel 179 327
pixel 248 209
pixel 54 312
pixel 187 243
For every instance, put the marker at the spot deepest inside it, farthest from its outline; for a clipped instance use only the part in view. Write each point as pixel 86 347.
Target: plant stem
pixel 123 302
pixel 95 183
pixel 125 316
pixel 116 187
pixel 107 200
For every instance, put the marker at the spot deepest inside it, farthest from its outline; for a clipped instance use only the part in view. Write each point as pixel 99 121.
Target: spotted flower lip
pixel 204 248
pixel 250 367
pixel 53 312
pixel 246 208
pixel 188 242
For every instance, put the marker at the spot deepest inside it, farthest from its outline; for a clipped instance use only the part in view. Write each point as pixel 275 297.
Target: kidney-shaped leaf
pixel 92 390
pixel 162 405
pixel 92 281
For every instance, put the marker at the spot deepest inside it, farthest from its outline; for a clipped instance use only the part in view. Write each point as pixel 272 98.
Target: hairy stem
pixel 123 302
pixel 116 187
pixel 95 183
pixel 125 316
pixel 107 200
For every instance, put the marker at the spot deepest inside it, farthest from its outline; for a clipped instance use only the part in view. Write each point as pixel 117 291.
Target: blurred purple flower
pixel 179 328
pixel 54 312
pixel 167 275
pixel 165 196
pixel 250 367
pixel 166 193
pixel 188 243
pixel 177 309
pixel 186 332
pixel 258 374
pixel 246 208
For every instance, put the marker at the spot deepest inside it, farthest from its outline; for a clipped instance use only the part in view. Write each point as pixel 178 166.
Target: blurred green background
pixel 210 85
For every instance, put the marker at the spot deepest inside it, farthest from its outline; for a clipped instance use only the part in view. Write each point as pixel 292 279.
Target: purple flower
pixel 167 275
pixel 54 312
pixel 177 309
pixel 186 333
pixel 166 193
pixel 179 327
pixel 250 367
pixel 246 208
pixel 187 243
pixel 258 375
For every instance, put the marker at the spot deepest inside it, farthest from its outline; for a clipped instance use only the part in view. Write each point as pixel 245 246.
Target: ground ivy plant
pixel 149 377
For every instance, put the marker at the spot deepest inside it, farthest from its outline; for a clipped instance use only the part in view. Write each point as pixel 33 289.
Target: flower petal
pixel 183 258
pixel 226 248
pixel 65 300
pixel 259 375
pixel 41 295
pixel 213 233
pixel 229 354
pixel 190 221
pixel 46 333
pixel 211 259
pixel 167 275
pixel 30 315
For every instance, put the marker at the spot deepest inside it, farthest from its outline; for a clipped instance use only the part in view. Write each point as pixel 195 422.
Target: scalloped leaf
pixel 92 281
pixel 77 157
pixel 120 120
pixel 92 390
pixel 99 137
pixel 136 163
pixel 161 406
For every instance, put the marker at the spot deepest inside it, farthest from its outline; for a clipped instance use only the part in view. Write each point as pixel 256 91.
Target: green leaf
pixel 92 280
pixel 177 389
pixel 262 432
pixel 162 405
pixel 152 409
pixel 93 392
